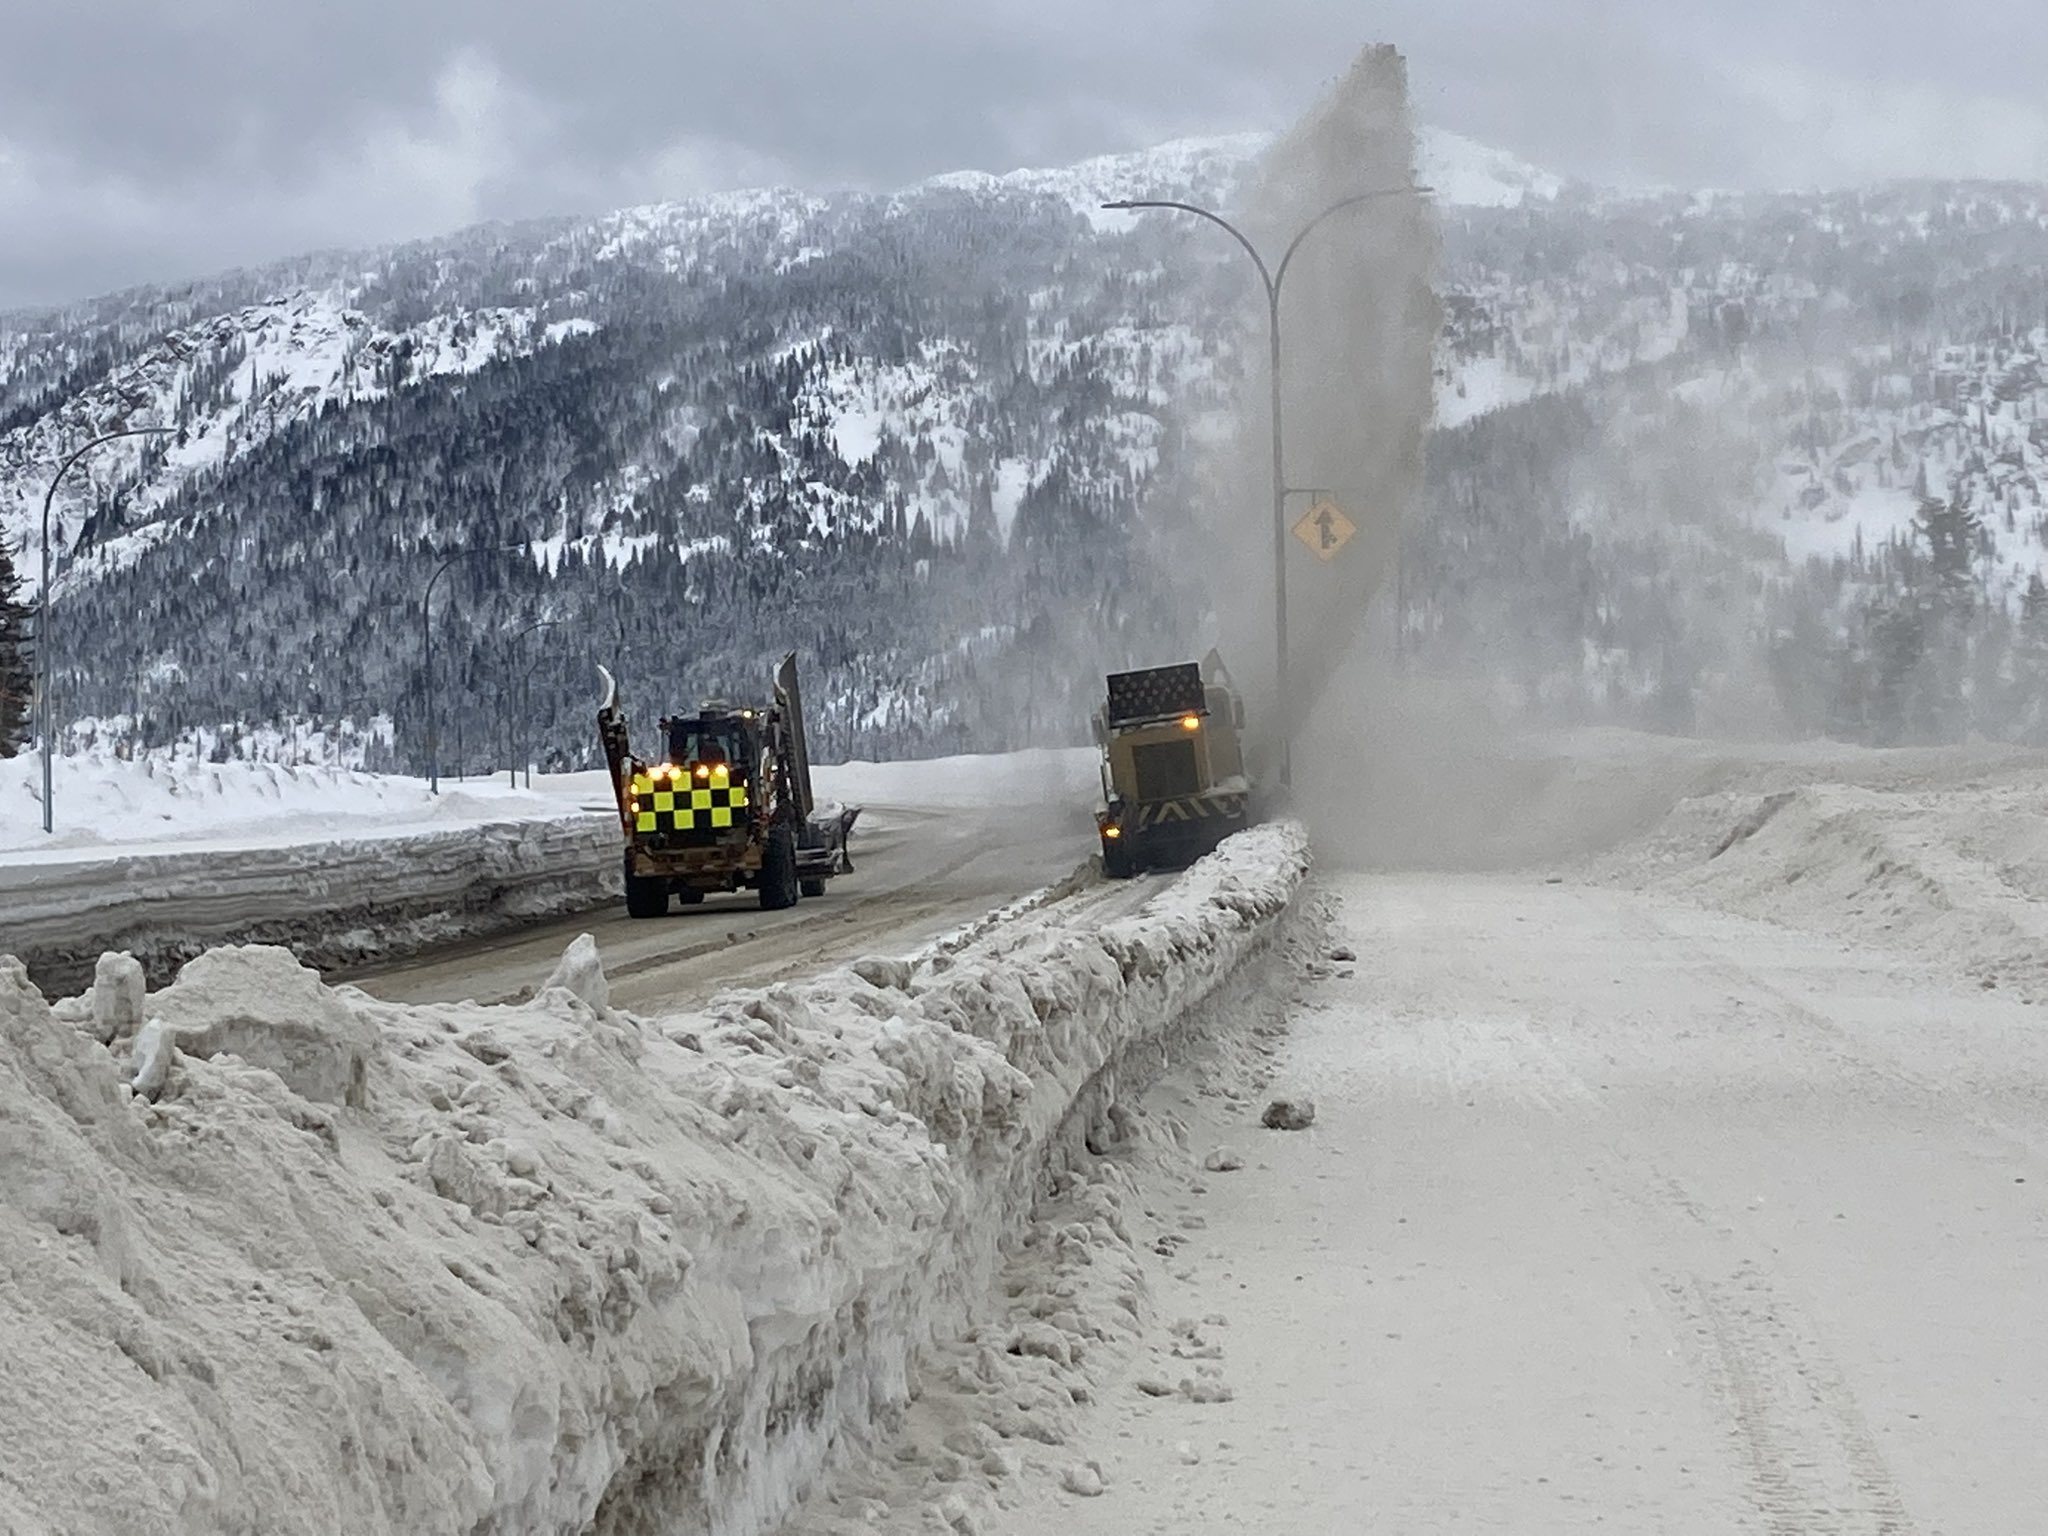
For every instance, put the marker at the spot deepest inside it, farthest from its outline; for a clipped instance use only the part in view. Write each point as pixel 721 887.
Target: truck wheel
pixel 645 896
pixel 778 871
pixel 812 888
pixel 1116 861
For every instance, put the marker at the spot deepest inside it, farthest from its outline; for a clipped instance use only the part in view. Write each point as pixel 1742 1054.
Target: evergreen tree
pixel 2028 715
pixel 17 683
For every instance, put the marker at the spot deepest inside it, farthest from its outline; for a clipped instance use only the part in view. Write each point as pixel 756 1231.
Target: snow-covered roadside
pixel 544 1266
pixel 1007 1413
pixel 154 803
pixel 1951 869
pixel 334 901
pixel 163 857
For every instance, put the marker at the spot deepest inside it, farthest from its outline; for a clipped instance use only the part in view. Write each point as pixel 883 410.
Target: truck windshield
pixel 690 741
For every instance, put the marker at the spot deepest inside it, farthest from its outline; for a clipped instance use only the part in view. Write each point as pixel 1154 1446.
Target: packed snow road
pixel 1616 1210
pixel 918 874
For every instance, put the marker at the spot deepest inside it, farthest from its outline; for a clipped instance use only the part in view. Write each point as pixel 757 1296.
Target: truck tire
pixel 812 888
pixel 1116 861
pixel 645 896
pixel 779 887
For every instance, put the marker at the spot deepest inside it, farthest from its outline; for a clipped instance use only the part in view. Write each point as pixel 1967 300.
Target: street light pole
pixel 46 716
pixel 1273 278
pixel 427 637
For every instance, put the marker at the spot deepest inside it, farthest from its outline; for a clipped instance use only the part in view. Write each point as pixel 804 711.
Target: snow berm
pixel 544 1267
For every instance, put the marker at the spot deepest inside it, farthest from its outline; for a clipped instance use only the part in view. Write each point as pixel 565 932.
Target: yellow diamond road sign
pixel 1325 529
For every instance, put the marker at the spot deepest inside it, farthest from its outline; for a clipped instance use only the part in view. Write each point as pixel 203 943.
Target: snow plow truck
pixel 1173 775
pixel 726 806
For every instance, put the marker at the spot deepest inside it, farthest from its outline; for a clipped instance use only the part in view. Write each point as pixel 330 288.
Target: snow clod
pixel 520 1162
pixel 257 1002
pixel 150 1059
pixel 118 990
pixel 1290 1114
pixel 581 971
pixel 1224 1160
pixel 1083 1479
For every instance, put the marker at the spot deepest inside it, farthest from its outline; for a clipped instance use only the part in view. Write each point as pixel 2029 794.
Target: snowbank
pixel 162 856
pixel 1949 868
pixel 104 801
pixel 335 901
pixel 542 1267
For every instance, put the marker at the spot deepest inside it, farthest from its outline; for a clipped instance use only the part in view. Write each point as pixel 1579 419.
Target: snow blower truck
pixel 727 806
pixel 1173 776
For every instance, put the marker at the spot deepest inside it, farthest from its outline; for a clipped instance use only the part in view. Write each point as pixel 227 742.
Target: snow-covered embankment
pixel 333 901
pixel 546 1266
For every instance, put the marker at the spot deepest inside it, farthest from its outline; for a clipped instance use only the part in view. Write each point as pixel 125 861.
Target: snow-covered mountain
pixel 1468 174
pixel 228 384
pixel 940 439
pixel 230 380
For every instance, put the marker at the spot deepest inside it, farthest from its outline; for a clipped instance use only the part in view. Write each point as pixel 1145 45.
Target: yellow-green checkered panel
pixel 686 799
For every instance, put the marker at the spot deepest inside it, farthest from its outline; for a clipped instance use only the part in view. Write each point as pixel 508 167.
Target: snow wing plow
pixel 1173 779
pixel 726 806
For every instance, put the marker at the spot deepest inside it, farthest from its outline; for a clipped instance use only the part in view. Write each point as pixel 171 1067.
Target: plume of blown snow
pixel 1359 322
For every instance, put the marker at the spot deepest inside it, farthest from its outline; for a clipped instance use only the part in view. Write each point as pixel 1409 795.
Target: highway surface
pixel 918 874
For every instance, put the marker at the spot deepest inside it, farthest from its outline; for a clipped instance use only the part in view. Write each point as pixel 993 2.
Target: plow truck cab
pixel 725 806
pixel 1173 774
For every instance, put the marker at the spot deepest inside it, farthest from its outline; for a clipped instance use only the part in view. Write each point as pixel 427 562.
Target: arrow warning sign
pixel 1325 529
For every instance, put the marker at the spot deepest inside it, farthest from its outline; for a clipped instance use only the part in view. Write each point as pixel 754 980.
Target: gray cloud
pixel 140 141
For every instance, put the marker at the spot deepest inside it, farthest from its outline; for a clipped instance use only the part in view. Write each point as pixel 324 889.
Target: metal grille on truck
pixel 1166 770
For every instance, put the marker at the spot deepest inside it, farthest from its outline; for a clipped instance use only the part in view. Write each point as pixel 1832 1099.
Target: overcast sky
pixel 145 140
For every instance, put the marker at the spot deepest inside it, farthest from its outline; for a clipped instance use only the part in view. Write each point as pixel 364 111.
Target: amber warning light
pixel 1191 722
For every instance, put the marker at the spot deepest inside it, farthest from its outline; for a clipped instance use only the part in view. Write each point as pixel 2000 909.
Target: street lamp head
pixel 1121 205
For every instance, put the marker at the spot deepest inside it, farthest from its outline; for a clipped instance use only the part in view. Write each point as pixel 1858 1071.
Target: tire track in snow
pixel 1813 1465
pixel 1811 1462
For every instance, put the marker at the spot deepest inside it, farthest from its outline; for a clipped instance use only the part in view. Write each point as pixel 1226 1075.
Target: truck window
pixel 691 743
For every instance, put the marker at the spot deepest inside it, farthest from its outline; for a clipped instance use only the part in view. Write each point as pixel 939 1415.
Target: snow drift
pixel 334 901
pixel 286 1258
pixel 1944 857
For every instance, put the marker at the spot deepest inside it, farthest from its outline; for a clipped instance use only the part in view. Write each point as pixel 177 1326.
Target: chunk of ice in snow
pixel 150 1058
pixel 1083 1478
pixel 257 1002
pixel 118 988
pixel 1297 1113
pixel 581 971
